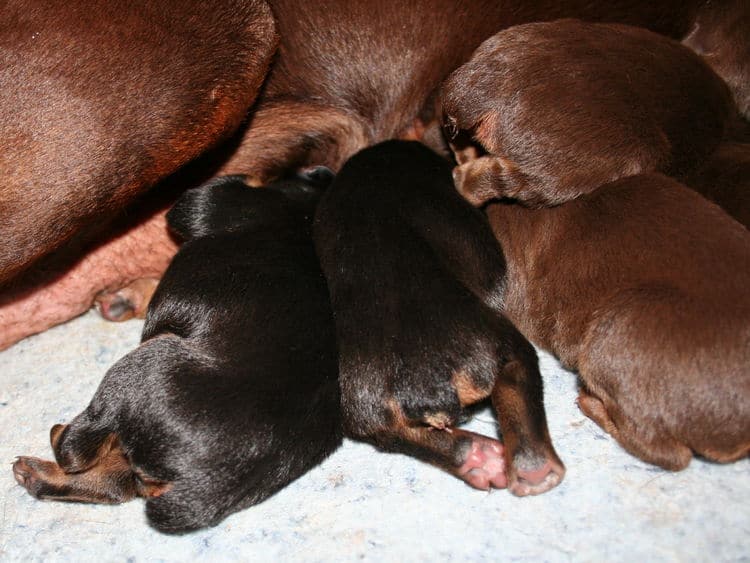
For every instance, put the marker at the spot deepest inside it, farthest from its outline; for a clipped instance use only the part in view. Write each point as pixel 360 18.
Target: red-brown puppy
pixel 725 180
pixel 641 287
pixel 563 107
pixel 371 68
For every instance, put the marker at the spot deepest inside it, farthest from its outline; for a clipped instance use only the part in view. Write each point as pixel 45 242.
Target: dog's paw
pixel 484 465
pixel 35 475
pixel 127 303
pixel 537 478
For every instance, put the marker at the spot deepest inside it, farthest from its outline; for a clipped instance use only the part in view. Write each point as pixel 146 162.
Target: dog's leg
pixel 111 483
pixel 643 440
pixel 533 464
pixel 476 459
pixel 490 178
pixel 526 462
pixel 593 408
pixel 287 135
pixel 104 477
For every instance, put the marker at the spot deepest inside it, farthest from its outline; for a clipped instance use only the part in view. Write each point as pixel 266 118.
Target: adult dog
pixel 99 101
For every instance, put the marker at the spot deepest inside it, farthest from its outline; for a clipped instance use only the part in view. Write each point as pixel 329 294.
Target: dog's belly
pixel 52 296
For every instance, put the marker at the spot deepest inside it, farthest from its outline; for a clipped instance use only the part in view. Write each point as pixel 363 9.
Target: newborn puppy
pixel 642 287
pixel 563 107
pixel 233 392
pixel 416 281
pixel 725 180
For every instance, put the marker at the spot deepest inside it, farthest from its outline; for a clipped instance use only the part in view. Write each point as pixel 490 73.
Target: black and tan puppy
pixel 641 286
pixel 416 281
pixel 561 108
pixel 233 392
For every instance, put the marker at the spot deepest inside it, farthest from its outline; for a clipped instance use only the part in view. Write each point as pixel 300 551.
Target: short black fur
pixel 416 280
pixel 233 392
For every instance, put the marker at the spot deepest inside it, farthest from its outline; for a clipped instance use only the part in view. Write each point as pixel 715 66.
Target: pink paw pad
pixel 115 307
pixel 484 466
pixel 538 480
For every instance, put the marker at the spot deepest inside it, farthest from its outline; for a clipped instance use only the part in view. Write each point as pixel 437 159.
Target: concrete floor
pixel 364 504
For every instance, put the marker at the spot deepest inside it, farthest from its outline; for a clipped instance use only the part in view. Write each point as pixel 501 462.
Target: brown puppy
pixel 642 287
pixel 563 107
pixel 725 180
pixel 370 70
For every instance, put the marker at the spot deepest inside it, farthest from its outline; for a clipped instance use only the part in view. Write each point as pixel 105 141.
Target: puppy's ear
pixel 202 210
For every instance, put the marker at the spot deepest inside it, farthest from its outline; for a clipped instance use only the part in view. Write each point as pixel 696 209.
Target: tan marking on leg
pixel 55 433
pixel 467 391
pixel 110 479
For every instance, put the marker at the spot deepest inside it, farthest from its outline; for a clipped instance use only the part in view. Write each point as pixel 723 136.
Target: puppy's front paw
pixel 480 180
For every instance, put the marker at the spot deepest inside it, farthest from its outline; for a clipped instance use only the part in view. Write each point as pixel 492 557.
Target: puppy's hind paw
pixel 537 480
pixel 34 474
pixel 484 465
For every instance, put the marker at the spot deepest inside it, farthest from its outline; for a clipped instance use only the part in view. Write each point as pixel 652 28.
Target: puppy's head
pixel 469 100
pixel 229 204
pixel 469 126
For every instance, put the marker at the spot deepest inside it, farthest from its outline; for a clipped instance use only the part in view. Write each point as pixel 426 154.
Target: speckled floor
pixel 363 504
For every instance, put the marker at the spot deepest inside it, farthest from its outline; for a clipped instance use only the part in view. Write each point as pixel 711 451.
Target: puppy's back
pixel 233 392
pixel 647 284
pixel 399 196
